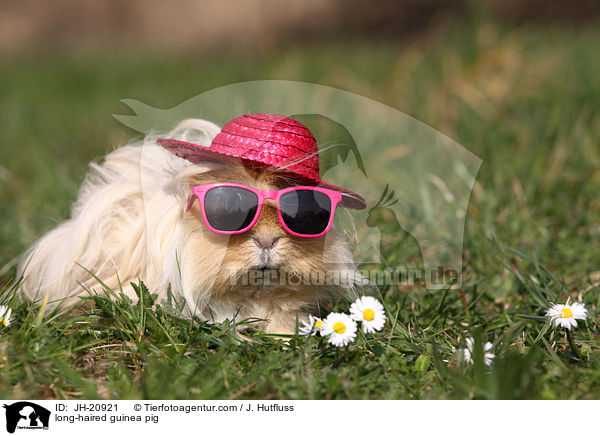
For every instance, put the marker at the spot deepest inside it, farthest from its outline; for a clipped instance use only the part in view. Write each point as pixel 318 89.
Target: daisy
pixel 370 312
pixel 564 315
pixel 340 329
pixel 487 356
pixel 312 327
pixel 5 313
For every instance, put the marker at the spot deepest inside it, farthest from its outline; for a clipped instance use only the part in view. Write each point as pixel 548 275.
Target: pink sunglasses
pixel 230 208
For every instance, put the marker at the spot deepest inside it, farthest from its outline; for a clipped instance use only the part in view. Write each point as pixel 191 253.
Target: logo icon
pixel 26 415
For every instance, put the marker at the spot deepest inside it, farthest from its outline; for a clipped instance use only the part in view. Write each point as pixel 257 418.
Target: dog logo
pixel 26 415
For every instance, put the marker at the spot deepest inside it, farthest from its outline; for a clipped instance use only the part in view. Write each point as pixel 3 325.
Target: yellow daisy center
pixel 3 321
pixel 339 327
pixel 566 313
pixel 368 314
pixel 319 324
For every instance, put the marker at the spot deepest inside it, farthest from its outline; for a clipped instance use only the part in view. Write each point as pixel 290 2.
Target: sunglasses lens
pixel 305 211
pixel 229 208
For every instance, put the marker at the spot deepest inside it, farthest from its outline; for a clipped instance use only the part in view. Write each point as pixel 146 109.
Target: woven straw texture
pixel 268 140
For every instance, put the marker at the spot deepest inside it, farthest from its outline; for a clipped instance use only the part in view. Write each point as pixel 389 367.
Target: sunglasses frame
pixel 200 191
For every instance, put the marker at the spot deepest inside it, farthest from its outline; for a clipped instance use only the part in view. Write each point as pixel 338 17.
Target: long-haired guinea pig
pixel 133 221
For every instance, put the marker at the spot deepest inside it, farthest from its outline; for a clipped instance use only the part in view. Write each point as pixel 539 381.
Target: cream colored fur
pixel 129 223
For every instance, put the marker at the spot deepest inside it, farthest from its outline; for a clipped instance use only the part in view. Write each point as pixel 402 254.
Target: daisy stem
pixel 573 346
pixel 364 337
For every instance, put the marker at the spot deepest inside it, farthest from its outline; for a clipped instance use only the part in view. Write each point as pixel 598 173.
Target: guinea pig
pixel 136 218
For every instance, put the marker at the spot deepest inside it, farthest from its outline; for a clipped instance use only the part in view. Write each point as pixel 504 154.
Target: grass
pixel 523 99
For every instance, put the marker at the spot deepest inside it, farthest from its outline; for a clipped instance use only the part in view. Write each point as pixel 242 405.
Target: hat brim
pixel 197 153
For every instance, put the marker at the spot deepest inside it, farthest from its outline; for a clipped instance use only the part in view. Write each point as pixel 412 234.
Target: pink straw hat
pixel 269 140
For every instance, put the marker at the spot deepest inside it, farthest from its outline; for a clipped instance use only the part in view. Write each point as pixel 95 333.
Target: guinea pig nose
pixel 265 242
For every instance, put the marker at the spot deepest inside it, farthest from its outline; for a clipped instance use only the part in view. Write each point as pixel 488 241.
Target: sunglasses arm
pixel 190 202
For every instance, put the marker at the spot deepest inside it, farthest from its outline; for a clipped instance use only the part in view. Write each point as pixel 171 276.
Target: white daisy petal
pixel 565 315
pixel 339 328
pixel 369 312
pixel 467 352
pixel 306 329
pixel 5 314
pixel 467 355
pixel 312 326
